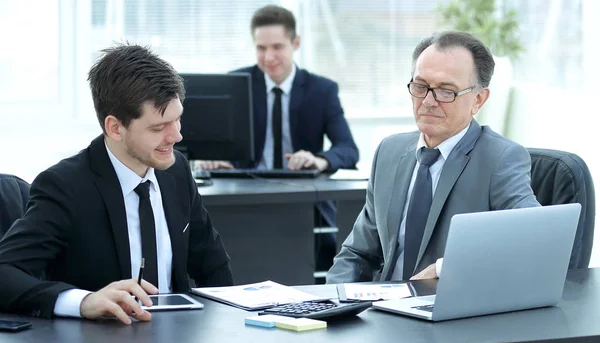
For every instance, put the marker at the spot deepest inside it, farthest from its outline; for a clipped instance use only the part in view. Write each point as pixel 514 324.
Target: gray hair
pixel 443 41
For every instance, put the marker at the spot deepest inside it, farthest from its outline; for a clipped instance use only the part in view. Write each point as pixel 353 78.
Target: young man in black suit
pixel 93 217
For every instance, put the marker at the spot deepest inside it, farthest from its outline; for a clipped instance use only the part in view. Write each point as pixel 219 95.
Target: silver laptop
pixel 499 261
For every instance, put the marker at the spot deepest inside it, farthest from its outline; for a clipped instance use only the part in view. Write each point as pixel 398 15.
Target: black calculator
pixel 324 310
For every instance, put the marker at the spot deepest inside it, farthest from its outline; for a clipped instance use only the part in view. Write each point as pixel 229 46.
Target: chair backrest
pixel 14 194
pixel 559 177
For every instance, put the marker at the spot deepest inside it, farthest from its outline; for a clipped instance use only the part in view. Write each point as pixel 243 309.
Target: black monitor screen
pixel 217 117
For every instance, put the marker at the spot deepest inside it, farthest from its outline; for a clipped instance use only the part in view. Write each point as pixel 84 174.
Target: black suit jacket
pixel 315 110
pixel 74 234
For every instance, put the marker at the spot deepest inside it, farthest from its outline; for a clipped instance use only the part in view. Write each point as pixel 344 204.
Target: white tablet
pixel 162 302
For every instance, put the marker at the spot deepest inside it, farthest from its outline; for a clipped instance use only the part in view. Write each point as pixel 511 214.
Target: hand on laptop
pixel 427 273
pixel 210 165
pixel 303 159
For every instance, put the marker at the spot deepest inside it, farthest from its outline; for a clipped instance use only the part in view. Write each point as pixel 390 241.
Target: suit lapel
pixel 259 98
pixel 110 189
pixel 296 98
pixel 404 170
pixel 452 169
pixel 175 222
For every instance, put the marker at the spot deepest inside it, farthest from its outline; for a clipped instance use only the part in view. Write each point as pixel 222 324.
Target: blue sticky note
pixel 266 321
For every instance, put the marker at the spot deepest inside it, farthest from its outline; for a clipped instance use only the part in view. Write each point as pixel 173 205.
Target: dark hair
pixel 126 77
pixel 482 58
pixel 274 15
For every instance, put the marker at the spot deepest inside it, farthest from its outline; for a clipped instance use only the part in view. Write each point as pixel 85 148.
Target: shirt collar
pixel 127 177
pixel 285 86
pixel 446 146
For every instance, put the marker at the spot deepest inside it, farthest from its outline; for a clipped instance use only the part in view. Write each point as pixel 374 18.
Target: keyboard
pixel 265 173
pixel 324 310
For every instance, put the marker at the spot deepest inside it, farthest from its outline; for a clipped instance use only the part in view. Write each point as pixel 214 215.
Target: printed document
pixel 256 296
pixel 373 292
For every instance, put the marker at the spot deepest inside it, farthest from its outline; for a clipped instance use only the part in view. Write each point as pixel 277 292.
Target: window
pixel 365 46
pixel 32 79
pixel 37 83
pixel 31 62
pixel 195 36
pixel 559 43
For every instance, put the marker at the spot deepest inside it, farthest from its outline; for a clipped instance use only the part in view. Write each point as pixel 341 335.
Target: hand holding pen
pixel 115 300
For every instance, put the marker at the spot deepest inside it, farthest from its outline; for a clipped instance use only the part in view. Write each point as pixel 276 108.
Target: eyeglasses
pixel 439 94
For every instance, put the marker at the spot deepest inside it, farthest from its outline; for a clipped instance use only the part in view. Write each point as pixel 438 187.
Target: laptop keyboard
pixel 427 308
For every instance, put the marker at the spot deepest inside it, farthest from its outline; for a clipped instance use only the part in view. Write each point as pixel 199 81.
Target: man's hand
pixel 115 300
pixel 305 159
pixel 427 273
pixel 211 165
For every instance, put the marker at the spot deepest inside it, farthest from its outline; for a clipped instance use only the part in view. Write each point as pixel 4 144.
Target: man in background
pixel 306 105
pixel 293 110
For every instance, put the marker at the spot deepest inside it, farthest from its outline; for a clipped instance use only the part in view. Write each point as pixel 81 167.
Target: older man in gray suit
pixel 452 165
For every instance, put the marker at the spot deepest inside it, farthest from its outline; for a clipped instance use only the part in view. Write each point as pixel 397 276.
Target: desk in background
pixel 267 224
pixel 575 319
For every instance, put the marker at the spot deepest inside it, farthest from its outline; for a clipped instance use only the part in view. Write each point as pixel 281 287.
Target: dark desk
pixel 349 197
pixel 575 319
pixel 267 225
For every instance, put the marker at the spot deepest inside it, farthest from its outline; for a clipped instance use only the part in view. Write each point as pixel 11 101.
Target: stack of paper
pixel 372 292
pixel 256 296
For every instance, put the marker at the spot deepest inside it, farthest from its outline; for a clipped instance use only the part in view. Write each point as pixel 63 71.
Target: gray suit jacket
pixel 484 172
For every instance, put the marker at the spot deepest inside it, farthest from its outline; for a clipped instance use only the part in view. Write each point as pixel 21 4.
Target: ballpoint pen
pixel 140 275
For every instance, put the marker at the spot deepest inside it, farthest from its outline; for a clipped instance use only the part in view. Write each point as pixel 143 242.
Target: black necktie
pixel 148 234
pixel 418 210
pixel 276 129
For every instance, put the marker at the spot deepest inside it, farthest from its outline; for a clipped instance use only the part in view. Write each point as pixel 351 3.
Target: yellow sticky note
pixel 301 324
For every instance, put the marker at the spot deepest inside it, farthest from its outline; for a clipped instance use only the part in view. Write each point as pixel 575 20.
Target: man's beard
pixel 148 160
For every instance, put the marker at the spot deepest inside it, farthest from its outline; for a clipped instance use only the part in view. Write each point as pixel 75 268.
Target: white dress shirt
pixel 435 170
pixel 68 302
pixel 266 161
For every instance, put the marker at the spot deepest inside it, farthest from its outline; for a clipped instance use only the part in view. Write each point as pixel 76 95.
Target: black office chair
pixel 559 177
pixel 14 194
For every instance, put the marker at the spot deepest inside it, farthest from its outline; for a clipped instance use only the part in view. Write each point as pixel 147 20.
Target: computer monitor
pixel 217 117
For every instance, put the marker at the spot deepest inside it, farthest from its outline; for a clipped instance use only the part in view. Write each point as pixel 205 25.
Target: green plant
pixel 500 33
